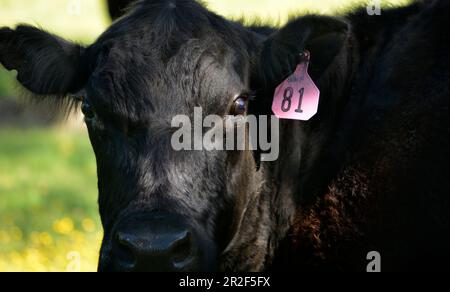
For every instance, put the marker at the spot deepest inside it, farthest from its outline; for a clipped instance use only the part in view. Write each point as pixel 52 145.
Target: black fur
pixel 117 8
pixel 368 172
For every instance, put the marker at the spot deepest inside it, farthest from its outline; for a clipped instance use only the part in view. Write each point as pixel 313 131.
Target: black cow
pixel 369 172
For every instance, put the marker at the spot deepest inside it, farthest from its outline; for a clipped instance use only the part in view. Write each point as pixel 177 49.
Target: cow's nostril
pixel 154 247
pixel 182 248
pixel 125 253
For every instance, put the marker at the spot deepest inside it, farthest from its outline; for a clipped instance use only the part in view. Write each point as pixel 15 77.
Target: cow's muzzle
pixel 156 241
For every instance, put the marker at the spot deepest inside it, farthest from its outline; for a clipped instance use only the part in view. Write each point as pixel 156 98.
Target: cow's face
pixel 161 209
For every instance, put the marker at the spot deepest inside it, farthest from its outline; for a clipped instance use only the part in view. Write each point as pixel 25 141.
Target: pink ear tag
pixel 297 97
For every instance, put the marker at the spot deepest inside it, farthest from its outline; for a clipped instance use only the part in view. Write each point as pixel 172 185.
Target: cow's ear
pixel 45 64
pixel 324 37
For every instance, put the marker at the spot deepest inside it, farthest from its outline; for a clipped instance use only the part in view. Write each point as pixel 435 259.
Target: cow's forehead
pixel 149 72
pixel 198 75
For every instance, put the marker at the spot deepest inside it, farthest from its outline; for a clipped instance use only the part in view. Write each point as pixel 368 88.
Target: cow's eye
pixel 239 106
pixel 87 110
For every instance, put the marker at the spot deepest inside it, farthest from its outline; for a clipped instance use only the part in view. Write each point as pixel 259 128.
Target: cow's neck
pixel 311 152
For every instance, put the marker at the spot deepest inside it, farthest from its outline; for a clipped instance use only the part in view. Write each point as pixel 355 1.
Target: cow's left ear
pixel 324 37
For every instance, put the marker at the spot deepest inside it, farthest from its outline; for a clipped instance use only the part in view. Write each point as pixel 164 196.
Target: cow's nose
pixel 154 247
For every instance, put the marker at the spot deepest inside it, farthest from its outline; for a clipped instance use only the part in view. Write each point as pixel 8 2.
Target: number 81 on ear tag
pixel 297 98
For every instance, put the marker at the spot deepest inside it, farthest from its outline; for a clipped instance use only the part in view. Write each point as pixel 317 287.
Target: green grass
pixel 42 171
pixel 47 184
pixel 7 84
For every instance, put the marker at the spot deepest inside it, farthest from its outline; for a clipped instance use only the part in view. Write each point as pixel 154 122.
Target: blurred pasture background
pixel 48 198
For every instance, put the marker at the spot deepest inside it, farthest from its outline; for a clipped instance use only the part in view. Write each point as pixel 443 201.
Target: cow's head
pixel 163 209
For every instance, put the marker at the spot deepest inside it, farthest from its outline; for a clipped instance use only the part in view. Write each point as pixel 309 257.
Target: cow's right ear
pixel 45 64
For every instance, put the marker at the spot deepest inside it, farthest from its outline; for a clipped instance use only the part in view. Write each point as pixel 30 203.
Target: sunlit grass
pixel 48 200
pixel 278 11
pixel 84 20
pixel 81 20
